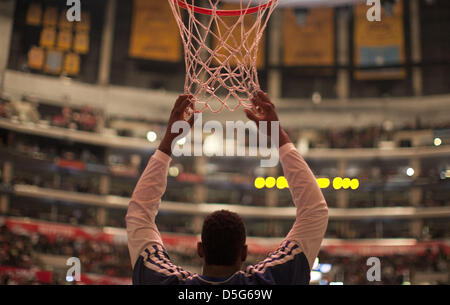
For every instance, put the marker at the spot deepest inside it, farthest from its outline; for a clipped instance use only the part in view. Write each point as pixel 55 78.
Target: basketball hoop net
pixel 221 50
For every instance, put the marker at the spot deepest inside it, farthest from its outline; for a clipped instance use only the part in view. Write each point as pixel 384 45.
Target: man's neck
pixel 217 271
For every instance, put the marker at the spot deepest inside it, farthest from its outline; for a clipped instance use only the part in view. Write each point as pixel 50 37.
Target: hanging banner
pixel 51 16
pixel 48 37
pixel 34 14
pixel 63 22
pixel 85 23
pixel 236 36
pixel 53 63
pixel 310 43
pixel 36 58
pixel 71 67
pixel 154 32
pixel 81 42
pixel 378 44
pixel 64 40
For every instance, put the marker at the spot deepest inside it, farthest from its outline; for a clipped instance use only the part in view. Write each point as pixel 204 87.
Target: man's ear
pixel 200 249
pixel 244 253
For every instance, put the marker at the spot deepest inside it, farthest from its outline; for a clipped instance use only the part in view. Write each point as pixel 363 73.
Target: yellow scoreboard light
pixel 354 184
pixel 346 183
pixel 323 182
pixel 260 182
pixel 270 182
pixel 282 183
pixel 337 183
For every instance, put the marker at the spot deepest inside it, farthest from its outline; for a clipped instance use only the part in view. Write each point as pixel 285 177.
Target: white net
pixel 221 44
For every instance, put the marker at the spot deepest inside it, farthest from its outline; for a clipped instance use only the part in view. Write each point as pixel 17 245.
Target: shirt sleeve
pixel 312 211
pixel 143 207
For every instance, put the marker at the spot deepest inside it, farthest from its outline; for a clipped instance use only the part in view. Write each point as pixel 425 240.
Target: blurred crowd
pixel 84 118
pixel 97 257
pixel 395 269
pixel 103 258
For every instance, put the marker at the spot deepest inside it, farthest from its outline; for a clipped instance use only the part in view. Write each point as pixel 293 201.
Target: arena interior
pixel 83 106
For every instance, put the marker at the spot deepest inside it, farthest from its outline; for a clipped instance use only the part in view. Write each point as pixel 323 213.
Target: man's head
pixel 223 240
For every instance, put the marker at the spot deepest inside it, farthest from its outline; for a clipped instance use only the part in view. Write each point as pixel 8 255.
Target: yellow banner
pixel 81 42
pixel 309 44
pixel 36 58
pixel 154 32
pixel 64 40
pixel 235 39
pixel 34 14
pixel 51 16
pixel 63 22
pixel 378 44
pixel 72 64
pixel 85 23
pixel 48 37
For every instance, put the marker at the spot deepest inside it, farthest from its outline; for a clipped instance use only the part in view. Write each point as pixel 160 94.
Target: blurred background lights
pixel 346 183
pixel 445 174
pixel 282 183
pixel 323 182
pixel 152 136
pixel 260 182
pixel 316 276
pixel 337 183
pixel 316 264
pixel 437 141
pixel 316 98
pixel 270 182
pixel 174 171
pixel 354 184
pixel 325 268
pixel 213 145
pixel 410 171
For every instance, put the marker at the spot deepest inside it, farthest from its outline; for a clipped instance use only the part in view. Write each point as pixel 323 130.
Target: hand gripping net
pixel 221 50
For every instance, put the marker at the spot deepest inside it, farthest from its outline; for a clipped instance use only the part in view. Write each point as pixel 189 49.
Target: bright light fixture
pixel 152 136
pixel 410 171
pixel 174 171
pixel 337 183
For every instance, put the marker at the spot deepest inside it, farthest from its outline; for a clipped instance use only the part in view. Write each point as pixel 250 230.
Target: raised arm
pixel 140 219
pixel 312 211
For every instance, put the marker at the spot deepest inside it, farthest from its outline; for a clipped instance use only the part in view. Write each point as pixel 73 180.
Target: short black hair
pixel 223 236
